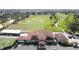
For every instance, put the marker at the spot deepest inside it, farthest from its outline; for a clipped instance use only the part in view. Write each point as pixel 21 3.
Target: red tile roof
pixel 60 37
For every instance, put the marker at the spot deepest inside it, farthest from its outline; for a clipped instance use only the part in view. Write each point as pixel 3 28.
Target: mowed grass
pixel 42 22
pixel 6 42
pixel 34 22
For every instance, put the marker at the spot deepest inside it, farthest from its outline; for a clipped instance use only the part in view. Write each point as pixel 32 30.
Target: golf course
pixel 58 23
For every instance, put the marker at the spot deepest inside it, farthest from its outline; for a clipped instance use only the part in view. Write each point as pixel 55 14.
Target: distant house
pixel 44 36
pixel 40 35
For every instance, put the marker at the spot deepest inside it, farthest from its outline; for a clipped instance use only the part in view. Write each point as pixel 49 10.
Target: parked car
pixel 41 47
pixel 76 45
pixel 51 41
pixel 74 42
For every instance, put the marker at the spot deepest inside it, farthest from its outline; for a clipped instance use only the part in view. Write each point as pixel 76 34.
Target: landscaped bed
pixel 6 42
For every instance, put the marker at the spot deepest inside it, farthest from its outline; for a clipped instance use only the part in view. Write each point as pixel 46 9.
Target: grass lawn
pixel 6 42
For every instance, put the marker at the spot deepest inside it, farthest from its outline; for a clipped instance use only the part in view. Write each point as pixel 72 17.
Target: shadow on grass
pixel 7 48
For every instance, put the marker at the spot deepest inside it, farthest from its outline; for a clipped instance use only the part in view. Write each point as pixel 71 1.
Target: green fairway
pixel 6 42
pixel 34 22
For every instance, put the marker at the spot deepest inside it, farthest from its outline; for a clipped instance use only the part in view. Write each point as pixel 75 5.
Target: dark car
pixel 51 41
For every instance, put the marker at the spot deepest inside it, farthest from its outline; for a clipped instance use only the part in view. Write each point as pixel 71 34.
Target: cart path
pixel 7 36
pixel 56 24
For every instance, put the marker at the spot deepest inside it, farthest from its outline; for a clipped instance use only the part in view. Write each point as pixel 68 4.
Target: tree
pixel 50 17
pixel 74 26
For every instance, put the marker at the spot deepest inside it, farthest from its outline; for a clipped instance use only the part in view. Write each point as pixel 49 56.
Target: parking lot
pixel 57 47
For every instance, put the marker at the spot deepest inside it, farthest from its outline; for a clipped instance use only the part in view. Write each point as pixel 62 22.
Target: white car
pixel 24 34
pixel 72 40
pixel 75 42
